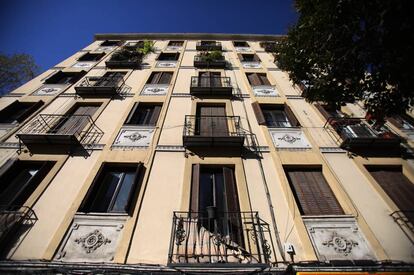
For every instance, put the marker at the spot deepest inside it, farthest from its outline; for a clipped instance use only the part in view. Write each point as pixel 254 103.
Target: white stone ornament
pixel 289 138
pixel 243 49
pixel 48 90
pixel 166 64
pixel 83 64
pixel 155 89
pixel 134 137
pixel 264 91
pixel 251 65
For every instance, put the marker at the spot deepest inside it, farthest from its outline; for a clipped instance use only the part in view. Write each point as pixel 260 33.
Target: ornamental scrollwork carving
pixel 340 244
pixel 289 138
pixel 92 241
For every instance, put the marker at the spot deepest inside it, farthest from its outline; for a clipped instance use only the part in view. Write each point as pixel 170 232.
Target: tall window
pixel 18 180
pixel 65 77
pixel 160 78
pixel 18 111
pixel 312 192
pixel 75 120
pixel 257 79
pixel 110 43
pixel 91 57
pixel 275 115
pixel 144 114
pixel 114 188
pixel 110 79
pixel 169 56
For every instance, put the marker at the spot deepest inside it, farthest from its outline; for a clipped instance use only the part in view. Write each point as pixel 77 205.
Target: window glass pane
pixel 206 191
pixel 104 195
pixel 121 200
pixel 16 184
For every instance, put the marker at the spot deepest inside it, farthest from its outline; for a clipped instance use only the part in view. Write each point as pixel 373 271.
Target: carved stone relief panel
pixel 338 239
pixel 83 64
pixel 91 239
pixel 173 48
pixel 49 89
pixel 105 48
pixel 155 89
pixel 166 64
pixel 265 91
pixel 251 65
pixel 134 136
pixel 243 49
pixel 289 138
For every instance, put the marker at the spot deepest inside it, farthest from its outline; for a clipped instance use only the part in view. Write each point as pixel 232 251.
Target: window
pixel 65 77
pixel 114 188
pixel 211 121
pixel 328 111
pixel 209 79
pixel 19 179
pixel 257 79
pixel 176 43
pixel 275 115
pixel 312 192
pixel 168 56
pixel 18 111
pixel 91 57
pixel 75 120
pixel 208 43
pixel 248 58
pixel 110 43
pixel 160 78
pixel 397 186
pixel 144 114
pixel 240 44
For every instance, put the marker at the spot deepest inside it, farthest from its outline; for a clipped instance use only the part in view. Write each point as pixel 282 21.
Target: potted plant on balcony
pixel 211 56
pixel 130 57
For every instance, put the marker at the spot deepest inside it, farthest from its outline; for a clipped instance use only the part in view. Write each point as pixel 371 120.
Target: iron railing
pixel 357 131
pixel 405 218
pixel 208 46
pixel 221 238
pixel 202 61
pixel 101 84
pixel 81 127
pixel 210 82
pixel 13 217
pixel 215 126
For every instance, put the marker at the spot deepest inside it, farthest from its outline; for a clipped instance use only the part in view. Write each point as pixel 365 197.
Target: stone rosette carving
pixel 135 136
pixel 265 91
pixel 48 90
pixel 340 244
pixel 289 138
pixel 83 64
pixel 166 64
pixel 92 241
pixel 155 90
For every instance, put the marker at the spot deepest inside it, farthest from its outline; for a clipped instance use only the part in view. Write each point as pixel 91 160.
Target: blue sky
pixel 51 30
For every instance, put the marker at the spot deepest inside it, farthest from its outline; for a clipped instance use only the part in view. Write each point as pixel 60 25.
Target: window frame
pixel 154 117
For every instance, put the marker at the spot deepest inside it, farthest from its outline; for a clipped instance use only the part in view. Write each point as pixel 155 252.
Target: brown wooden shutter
pixel 231 190
pixel 322 110
pixel 254 79
pixel 258 113
pixel 291 116
pixel 30 111
pixel 240 56
pixel 397 186
pixel 93 189
pixel 133 194
pixel 195 187
pixel 313 194
pixel 131 113
pixel 155 114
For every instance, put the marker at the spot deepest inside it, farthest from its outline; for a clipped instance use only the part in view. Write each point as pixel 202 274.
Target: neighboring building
pixel 187 160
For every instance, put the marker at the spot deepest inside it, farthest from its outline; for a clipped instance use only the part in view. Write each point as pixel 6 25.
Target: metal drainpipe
pixel 269 199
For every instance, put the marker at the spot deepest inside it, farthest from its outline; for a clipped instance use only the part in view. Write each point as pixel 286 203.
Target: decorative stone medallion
pixel 243 49
pixel 338 239
pixel 104 48
pixel 251 65
pixel 166 64
pixel 155 89
pixel 289 138
pixel 92 241
pixel 83 64
pixel 265 91
pixel 173 48
pixel 135 137
pixel 49 90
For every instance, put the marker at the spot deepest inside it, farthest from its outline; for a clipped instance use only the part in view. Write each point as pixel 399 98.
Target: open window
pixel 18 111
pixel 275 115
pixel 65 77
pixel 144 114
pixel 258 79
pixel 110 43
pixel 160 78
pixel 240 44
pixel 91 57
pixel 169 56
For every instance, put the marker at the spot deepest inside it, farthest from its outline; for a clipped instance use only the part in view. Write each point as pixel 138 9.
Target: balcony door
pixel 75 120
pixel 211 121
pixel 110 79
pixel 209 79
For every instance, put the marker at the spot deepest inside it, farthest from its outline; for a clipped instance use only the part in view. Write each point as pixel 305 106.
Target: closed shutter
pixel 133 194
pixel 258 113
pixel 195 185
pixel 76 121
pixel 291 116
pixel 312 192
pixel 254 79
pixel 154 78
pixel 396 121
pixel 397 186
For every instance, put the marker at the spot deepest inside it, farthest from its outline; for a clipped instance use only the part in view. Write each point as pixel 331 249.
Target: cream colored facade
pixel 142 238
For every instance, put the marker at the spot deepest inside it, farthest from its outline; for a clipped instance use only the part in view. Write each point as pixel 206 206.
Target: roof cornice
pixel 188 36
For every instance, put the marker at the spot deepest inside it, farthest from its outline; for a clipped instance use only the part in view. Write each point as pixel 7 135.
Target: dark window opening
pixel 208 43
pixel 144 114
pixel 110 43
pixel 19 179
pixel 160 78
pixel 176 43
pixel 240 44
pixel 249 58
pixel 91 57
pixel 18 111
pixel 114 189
pixel 257 79
pixel 65 77
pixel 169 56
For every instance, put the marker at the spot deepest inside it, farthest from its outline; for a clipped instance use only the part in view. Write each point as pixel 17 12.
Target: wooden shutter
pixel 256 58
pixel 240 56
pixel 231 190
pixel 131 114
pixel 30 111
pixel 397 186
pixel 133 194
pixel 258 113
pixel 254 79
pixel 195 187
pixel 93 189
pixel 312 192
pixel 155 114
pixel 263 79
pixel 154 78
pixel 323 111
pixel 73 124
pixel 165 78
pixel 291 116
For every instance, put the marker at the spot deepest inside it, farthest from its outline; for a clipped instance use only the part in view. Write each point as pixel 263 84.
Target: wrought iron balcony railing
pixel 202 61
pixel 220 238
pixel 66 130
pixel 13 217
pixel 100 86
pixel 211 85
pixel 357 133
pixel 200 131
pixel 208 46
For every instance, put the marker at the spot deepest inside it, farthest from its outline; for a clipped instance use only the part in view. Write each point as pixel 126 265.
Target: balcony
pixel 205 61
pixel 211 85
pixel 213 131
pixel 100 86
pixel 12 218
pixel 65 132
pixel 227 238
pixel 126 58
pixel 356 133
pixel 208 46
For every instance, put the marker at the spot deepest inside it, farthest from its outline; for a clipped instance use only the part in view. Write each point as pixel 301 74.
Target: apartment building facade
pixel 197 156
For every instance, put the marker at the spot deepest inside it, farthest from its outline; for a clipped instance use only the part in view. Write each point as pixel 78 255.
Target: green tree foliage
pixel 15 70
pixel 350 50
